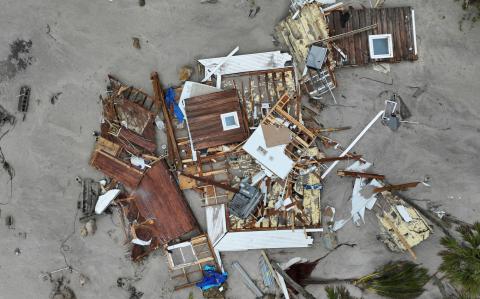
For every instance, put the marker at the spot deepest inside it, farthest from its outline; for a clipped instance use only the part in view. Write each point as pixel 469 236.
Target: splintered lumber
pixel 346 34
pixel 329 130
pixel 396 187
pixel 113 167
pixel 357 174
pixel 346 157
pixel 210 182
pixel 137 139
pixel 291 282
pixel 159 99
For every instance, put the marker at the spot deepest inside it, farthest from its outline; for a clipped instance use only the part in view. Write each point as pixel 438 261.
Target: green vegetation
pixel 461 260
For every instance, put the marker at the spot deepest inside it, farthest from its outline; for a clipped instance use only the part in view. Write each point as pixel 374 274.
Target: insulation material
pixel 414 231
pixel 297 34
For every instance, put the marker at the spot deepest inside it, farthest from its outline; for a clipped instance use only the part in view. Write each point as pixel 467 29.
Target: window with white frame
pixel 230 121
pixel 381 46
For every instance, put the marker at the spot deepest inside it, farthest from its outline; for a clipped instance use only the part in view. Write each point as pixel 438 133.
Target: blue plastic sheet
pixel 170 99
pixel 211 278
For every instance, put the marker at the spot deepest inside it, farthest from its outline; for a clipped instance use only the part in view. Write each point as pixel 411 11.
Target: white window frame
pixel 380 36
pixel 229 127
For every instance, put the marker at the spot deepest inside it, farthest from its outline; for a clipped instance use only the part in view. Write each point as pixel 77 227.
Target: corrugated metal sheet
pixel 247 62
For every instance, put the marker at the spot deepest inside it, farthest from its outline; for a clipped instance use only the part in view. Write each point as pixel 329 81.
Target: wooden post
pixel 357 174
pixel 159 100
pixel 210 182
pixel 396 187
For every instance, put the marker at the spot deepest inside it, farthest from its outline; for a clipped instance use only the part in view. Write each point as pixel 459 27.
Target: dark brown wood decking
pixel 396 21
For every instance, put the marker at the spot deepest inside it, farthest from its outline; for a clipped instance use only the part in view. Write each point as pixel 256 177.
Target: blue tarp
pixel 211 278
pixel 170 99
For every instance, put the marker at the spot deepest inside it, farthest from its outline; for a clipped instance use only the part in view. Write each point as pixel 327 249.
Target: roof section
pixel 204 121
pixel 158 198
pixel 398 21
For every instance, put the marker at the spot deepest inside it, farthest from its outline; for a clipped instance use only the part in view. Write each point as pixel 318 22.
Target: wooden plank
pixel 350 25
pixel 403 34
pixel 219 140
pixel 396 187
pixel 356 174
pixel 362 28
pixel 346 157
pixel 107 146
pixel 408 19
pixel 116 169
pixel 363 38
pixel 159 198
pixel 356 39
pixel 396 36
pixel 159 99
pixel 139 140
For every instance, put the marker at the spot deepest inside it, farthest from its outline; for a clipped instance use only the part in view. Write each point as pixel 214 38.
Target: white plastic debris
pixel 137 241
pixel 139 162
pixel 159 123
pixel 104 200
pixel 404 213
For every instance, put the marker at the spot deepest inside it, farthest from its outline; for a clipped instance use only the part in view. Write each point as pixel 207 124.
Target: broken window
pixel 381 46
pixel 230 121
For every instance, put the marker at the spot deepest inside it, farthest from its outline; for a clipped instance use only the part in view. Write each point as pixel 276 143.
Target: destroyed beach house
pixel 240 140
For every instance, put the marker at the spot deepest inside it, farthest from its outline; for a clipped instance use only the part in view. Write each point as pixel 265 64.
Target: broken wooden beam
pixel 210 181
pixel 396 187
pixel 343 35
pixel 292 282
pixel 159 99
pixel 346 157
pixel 356 174
pixel 329 130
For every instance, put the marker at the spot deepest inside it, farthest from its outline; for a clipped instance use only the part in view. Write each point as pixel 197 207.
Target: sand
pixel 75 44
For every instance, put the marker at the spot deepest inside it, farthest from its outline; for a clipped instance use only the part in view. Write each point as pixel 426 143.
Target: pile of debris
pixel 239 138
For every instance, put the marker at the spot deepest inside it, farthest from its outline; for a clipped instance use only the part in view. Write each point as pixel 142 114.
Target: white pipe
pixel 353 143
pixel 414 32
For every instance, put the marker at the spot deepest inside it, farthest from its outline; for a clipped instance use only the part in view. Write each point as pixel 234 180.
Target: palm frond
pixel 402 279
pixel 338 292
pixel 461 259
